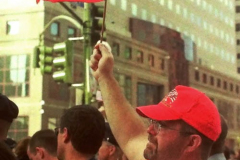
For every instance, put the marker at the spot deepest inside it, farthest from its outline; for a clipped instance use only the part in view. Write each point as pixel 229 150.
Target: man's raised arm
pixel 126 124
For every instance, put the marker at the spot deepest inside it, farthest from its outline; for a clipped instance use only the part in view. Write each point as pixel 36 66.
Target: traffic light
pixel 97 22
pixel 43 59
pixel 62 62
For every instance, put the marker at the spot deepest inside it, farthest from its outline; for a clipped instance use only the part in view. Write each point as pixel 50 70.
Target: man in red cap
pixel 183 126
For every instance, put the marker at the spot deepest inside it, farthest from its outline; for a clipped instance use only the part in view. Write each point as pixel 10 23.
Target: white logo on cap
pixel 170 98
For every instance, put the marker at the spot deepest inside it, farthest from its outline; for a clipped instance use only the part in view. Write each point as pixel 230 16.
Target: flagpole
pixel 104 17
pixel 87 47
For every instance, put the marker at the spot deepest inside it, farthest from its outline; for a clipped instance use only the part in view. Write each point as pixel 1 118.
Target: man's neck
pixel 74 155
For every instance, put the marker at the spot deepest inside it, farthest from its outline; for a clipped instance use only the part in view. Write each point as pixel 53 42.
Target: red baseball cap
pixel 189 105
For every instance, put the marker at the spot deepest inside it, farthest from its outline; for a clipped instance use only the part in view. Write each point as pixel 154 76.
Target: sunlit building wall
pixel 209 23
pixel 21 22
pixel 17 38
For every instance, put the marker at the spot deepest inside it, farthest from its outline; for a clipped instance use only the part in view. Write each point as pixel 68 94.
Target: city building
pixel 157 44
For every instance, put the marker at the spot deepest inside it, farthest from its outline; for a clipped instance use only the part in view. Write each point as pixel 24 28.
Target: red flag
pixel 87 1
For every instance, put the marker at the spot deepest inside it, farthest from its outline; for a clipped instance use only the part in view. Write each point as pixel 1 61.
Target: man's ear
pixel 65 135
pixel 112 149
pixel 194 142
pixel 40 152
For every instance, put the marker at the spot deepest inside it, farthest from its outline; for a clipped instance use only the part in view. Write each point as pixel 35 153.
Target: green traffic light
pixel 63 62
pixel 43 59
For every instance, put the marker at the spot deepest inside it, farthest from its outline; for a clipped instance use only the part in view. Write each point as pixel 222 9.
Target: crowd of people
pixel 185 125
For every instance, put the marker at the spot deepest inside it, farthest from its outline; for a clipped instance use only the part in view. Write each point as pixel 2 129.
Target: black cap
pixel 109 136
pixel 8 109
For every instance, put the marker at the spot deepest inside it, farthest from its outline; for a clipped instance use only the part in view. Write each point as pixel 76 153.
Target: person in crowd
pixel 5 152
pixel 21 149
pixel 183 126
pixel 217 150
pixel 238 155
pixel 43 145
pixel 8 112
pixel 80 133
pixel 226 152
pixel 109 149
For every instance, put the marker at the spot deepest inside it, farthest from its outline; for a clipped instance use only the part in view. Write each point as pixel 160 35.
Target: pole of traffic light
pixel 87 51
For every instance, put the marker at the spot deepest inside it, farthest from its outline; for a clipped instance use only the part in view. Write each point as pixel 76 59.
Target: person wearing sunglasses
pixel 109 149
pixel 182 126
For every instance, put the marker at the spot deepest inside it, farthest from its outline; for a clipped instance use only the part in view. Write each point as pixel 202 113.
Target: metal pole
pixel 87 51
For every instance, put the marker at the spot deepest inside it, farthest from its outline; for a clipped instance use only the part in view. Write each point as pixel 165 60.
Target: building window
pixel 238 117
pixel 204 78
pixel 212 80
pixel 128 53
pixel 238 27
pixel 154 19
pixel 144 14
pixel 218 82
pixel 12 27
pixel 149 94
pixel 151 60
pixel 162 64
pixel 55 29
pixel 53 122
pixel 237 9
pixel 185 13
pixel 124 5
pixel 238 41
pixel 113 2
pixel 72 32
pixel 238 56
pixel 115 49
pixel 140 56
pixel 125 83
pixel 225 85
pixel 170 4
pixel 231 87
pixel 134 9
pixel 161 2
pixel 14 75
pixel 237 89
pixel 197 75
pixel 19 128
pixel 178 9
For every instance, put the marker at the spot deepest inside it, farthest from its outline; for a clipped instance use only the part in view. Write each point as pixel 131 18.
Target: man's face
pixel 60 145
pixel 165 141
pixel 33 156
pixel 104 151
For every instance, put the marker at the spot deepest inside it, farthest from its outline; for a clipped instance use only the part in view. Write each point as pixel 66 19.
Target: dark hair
pixel 45 139
pixel 21 148
pixel 218 145
pixel 5 152
pixel 85 126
